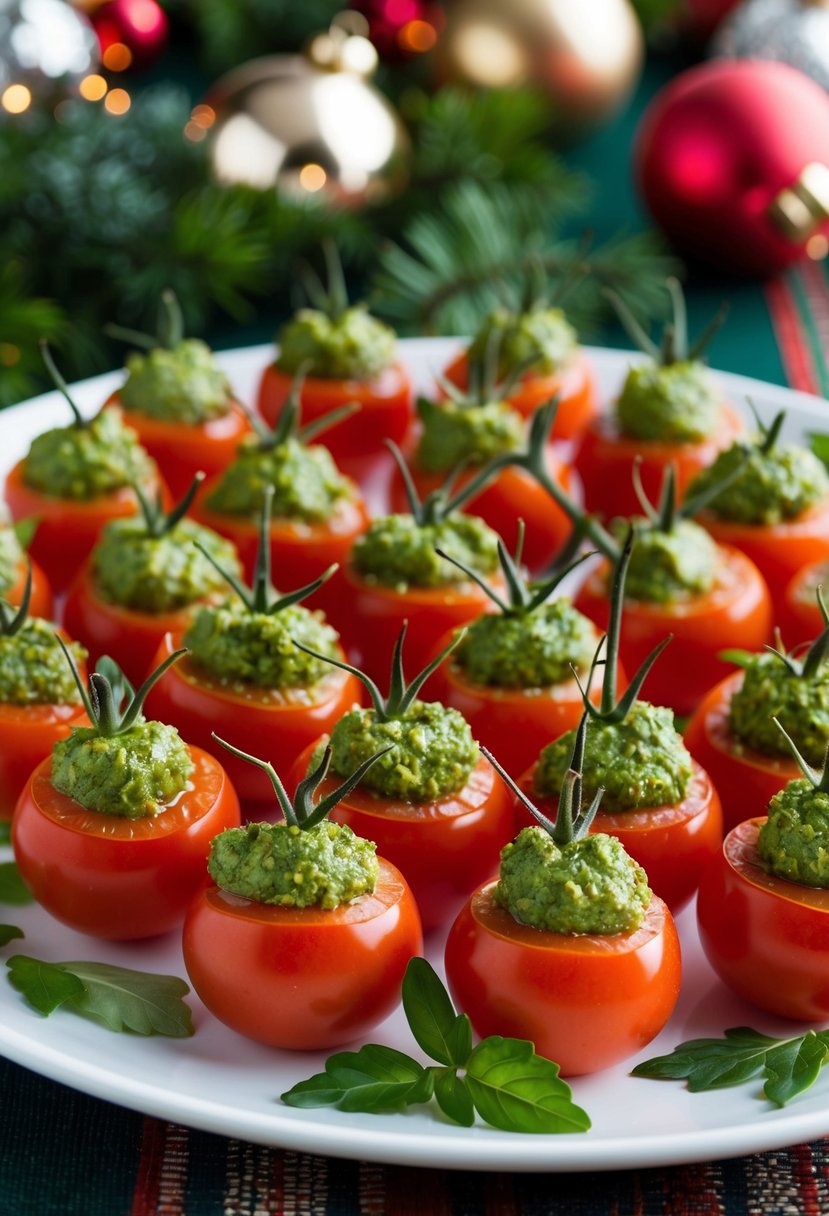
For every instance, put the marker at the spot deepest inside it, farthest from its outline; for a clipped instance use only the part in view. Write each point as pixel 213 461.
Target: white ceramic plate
pixel 222 1083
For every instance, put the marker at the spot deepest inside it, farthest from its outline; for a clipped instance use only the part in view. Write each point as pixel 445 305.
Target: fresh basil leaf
pixel 8 933
pixel 13 890
pixel 793 1067
pixel 45 986
pixel 437 1028
pixel 375 1078
pixel 5 831
pixel 819 443
pixel 25 530
pixel 453 1098
pixel 121 999
pixel 518 1091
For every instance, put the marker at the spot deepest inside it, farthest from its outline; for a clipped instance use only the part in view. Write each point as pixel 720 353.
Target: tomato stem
pixel 107 689
pixel 11 621
pixel 169 330
pixel 673 346
pixel 819 778
pixel 60 384
pixel 159 522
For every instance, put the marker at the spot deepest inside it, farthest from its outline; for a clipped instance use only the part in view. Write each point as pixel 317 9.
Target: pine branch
pixel 23 322
pixel 231 31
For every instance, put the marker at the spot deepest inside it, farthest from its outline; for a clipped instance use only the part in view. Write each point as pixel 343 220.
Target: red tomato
pixel 767 939
pixel 303 979
pixel 27 736
pixel 181 449
pixel 277 723
pixel 735 613
pixel 572 384
pixel 356 442
pixel 673 844
pixel 41 603
pixel 799 616
pixel 68 529
pixel 115 877
pixel 605 460
pixel 514 494
pixel 745 779
pixel 300 552
pixel 585 1001
pixel 443 848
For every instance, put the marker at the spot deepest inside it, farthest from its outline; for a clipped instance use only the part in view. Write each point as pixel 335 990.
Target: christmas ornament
pixel 791 31
pixel 401 28
pixel 732 158
pixel 131 33
pixel 45 49
pixel 699 18
pixel 310 124
pixel 585 56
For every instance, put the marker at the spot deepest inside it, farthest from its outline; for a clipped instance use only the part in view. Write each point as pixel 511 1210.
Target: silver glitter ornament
pixel 795 32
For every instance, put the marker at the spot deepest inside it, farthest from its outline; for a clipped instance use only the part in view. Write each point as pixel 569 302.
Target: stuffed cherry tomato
pixel 15 576
pixel 799 615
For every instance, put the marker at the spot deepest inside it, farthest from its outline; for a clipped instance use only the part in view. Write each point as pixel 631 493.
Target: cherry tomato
pixel 68 529
pixel 355 442
pixel 745 779
pixel 735 613
pixel 605 459
pixel 585 1001
pixel 302 979
pixel 41 603
pixel 115 877
pixel 767 938
pixel 673 844
pixel 572 384
pixel 798 615
pixel 443 848
pixel 27 736
pixel 277 723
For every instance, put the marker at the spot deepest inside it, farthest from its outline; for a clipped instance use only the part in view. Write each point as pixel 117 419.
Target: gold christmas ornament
pixel 586 55
pixel 312 125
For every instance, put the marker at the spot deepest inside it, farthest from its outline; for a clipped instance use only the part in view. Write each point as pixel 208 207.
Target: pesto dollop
pixel 527 650
pixel 542 339
pixel 85 462
pixel 675 403
pixel 306 482
pixel 239 647
pixel 771 486
pixel 587 886
pixel 667 566
pixel 351 346
pixel 800 702
pixel 640 762
pixel 33 668
pixel 453 432
pixel 432 752
pixel 397 552
pixel 181 385
pixel 158 574
pixel 275 863
pixel 135 774
pixel 11 559
pixel 794 841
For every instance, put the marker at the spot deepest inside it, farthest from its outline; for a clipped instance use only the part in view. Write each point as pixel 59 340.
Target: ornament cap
pixel 800 209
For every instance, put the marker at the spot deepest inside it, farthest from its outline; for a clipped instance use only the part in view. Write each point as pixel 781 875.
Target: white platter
pixel 222 1083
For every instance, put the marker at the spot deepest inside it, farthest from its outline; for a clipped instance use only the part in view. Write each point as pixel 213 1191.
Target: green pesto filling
pixel 352 346
pixel 135 774
pixel 541 339
pixel 640 762
pixel 771 486
pixel 240 647
pixel 83 462
pixel 432 754
pixel 473 433
pixel 801 704
pixel 586 886
pixel 158 574
pixel 668 566
pixel 274 863
pixel 306 482
pixel 11 559
pixel 530 650
pixel 181 385
pixel 678 403
pixel 33 668
pixel 794 842
pixel 397 552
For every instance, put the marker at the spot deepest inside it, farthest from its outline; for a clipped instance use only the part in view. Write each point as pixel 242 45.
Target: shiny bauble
pixel 132 33
pixel 46 48
pixel 790 31
pixel 585 55
pixel 732 158
pixel 309 125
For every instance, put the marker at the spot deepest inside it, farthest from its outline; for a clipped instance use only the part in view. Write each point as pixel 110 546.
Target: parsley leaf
pixel 13 890
pixel 788 1066
pixel 138 1002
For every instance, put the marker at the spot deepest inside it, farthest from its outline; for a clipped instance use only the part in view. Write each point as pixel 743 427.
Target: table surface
pixel 65 1153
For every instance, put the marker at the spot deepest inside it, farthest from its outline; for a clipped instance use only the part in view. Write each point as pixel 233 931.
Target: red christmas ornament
pixel 733 161
pixel 132 33
pixel 700 18
pixel 401 28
